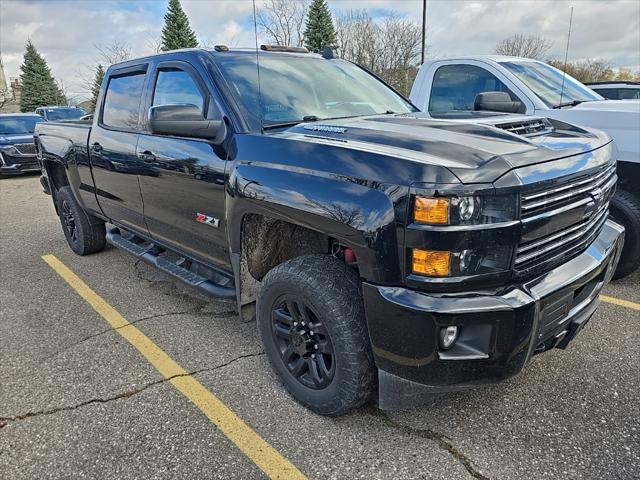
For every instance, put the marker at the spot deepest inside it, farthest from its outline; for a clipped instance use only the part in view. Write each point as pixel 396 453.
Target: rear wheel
pixel 85 233
pixel 625 209
pixel 311 321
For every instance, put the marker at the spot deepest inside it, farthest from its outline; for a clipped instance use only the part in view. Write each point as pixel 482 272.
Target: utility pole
pixel 424 29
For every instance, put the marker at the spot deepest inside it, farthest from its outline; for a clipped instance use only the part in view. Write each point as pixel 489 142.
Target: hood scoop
pixel 527 128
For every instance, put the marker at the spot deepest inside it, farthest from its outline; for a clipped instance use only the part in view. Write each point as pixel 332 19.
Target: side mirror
pixel 185 120
pixel 496 102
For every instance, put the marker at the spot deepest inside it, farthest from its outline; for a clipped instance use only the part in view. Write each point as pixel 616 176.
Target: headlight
pixel 464 210
pixel 445 237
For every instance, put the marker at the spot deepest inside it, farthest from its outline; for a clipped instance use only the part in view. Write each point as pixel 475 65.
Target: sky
pixel 66 32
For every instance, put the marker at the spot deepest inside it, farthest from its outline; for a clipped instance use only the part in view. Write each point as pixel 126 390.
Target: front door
pixel 112 149
pixel 184 200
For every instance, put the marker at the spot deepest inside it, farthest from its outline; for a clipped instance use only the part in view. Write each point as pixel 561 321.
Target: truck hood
pixel 610 106
pixel 16 138
pixel 620 119
pixel 473 152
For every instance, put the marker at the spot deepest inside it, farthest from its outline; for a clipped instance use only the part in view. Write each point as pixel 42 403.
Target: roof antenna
pixel 255 31
pixel 327 53
pixel 566 55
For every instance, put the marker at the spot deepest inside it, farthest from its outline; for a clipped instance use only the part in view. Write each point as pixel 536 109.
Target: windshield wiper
pixel 292 123
pixel 572 103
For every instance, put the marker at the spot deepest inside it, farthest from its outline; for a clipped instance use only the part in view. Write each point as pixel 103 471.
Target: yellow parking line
pixel 619 301
pixel 267 458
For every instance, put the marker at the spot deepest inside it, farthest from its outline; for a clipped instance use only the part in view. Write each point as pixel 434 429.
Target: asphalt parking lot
pixel 77 400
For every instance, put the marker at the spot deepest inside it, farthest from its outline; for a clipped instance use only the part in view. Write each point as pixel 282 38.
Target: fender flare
pixel 356 214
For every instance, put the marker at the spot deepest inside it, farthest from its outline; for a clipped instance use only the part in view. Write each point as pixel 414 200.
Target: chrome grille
pixel 25 148
pixel 589 185
pixel 557 242
pixel 589 193
pixel 527 128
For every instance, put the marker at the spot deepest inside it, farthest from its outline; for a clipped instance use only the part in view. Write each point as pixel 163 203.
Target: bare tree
pixel 154 43
pixel 5 96
pixel 114 52
pixel 283 21
pixel 389 48
pixel 529 46
pixel 589 70
pixel 356 38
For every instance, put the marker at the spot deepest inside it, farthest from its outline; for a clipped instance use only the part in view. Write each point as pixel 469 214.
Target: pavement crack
pixel 233 360
pixel 442 440
pixel 111 329
pixel 4 421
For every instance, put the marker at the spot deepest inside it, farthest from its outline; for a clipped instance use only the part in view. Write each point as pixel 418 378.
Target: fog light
pixel 448 337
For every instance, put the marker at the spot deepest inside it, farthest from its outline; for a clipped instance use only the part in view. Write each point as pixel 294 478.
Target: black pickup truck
pixel 384 255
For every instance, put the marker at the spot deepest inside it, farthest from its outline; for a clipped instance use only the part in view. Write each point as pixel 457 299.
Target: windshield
pixel 64 113
pixel 546 83
pixel 17 125
pixel 292 88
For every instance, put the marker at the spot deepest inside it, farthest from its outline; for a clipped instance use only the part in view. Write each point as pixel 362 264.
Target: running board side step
pixel 151 255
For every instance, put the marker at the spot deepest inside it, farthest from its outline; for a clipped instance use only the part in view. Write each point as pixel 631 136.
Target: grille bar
pixel 563 201
pixel 560 239
pixel 566 191
pixel 25 148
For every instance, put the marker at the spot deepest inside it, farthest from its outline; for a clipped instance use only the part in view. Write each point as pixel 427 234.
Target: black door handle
pixel 96 147
pixel 147 156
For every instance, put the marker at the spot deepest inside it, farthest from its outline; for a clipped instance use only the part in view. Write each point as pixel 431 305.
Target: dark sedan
pixel 17 150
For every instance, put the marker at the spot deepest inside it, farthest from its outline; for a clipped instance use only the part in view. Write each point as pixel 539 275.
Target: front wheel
pixel 311 322
pixel 625 209
pixel 85 234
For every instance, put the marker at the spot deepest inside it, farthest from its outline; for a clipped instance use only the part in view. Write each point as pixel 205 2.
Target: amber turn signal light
pixel 431 210
pixel 432 263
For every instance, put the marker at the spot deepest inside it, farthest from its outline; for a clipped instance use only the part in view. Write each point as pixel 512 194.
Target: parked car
pixel 448 86
pixel 616 90
pixel 384 253
pixel 60 113
pixel 17 151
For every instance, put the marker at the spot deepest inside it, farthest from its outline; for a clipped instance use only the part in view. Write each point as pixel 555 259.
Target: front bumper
pixel 17 164
pixel 498 332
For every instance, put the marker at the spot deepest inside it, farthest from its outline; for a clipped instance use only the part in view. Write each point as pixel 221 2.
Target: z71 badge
pixel 207 220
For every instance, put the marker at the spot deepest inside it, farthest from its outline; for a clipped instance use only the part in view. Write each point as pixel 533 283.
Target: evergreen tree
pixel 38 86
pixel 320 32
pixel 95 87
pixel 177 32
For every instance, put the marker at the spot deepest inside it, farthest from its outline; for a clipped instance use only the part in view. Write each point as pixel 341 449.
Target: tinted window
pixel 608 93
pixel 18 124
pixel 122 101
pixel 455 87
pixel 64 113
pixel 629 94
pixel 176 86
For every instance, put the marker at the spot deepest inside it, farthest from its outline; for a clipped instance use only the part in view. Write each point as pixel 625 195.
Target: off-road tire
pixel 625 209
pixel 332 291
pixel 87 234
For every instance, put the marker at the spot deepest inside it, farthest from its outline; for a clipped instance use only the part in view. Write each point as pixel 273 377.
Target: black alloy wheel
pixel 85 233
pixel 303 342
pixel 69 221
pixel 311 321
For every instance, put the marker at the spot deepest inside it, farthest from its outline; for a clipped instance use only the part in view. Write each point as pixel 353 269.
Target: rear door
pixel 184 200
pixel 112 147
